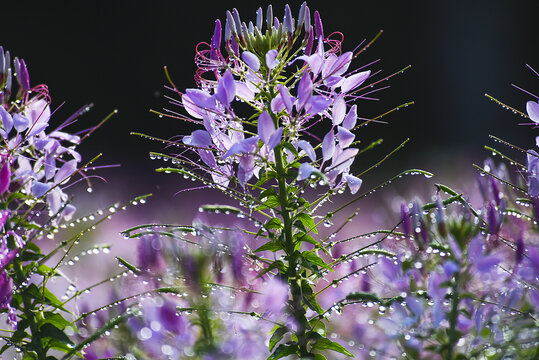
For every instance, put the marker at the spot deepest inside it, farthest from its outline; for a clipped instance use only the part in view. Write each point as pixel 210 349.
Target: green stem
pixel 298 310
pixel 453 316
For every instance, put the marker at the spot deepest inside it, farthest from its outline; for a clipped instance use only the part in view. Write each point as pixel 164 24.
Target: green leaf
pixel 310 298
pixel 45 270
pixel 315 259
pixel 226 209
pixel 291 148
pixel 283 350
pixel 33 247
pixel 266 193
pixel 55 319
pixel 30 256
pixel 307 221
pixel 363 296
pixel 276 337
pixel 274 223
pixel 272 201
pixel 302 237
pixel 128 265
pixel 48 330
pixel 43 295
pixel 271 246
pixel 325 343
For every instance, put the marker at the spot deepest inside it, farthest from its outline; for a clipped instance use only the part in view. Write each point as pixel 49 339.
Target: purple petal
pixel 4 216
pixel 317 104
pixel 464 324
pixel 338 111
pixel 226 90
pixel 266 127
pixel 310 39
pixel 305 170
pixel 328 65
pixel 275 295
pixel 307 147
pixel 406 221
pixel 50 167
pixel 341 64
pixel 65 171
pixel 208 158
pixel 37 128
pixel 533 186
pixel 6 118
pixel 345 137
pixel 533 110
pixel 353 81
pixel 354 183
pixel 39 189
pixel 275 138
pixel 199 138
pixel 333 81
pixel 39 113
pixel 191 108
pixel 68 212
pixel 287 99
pixel 216 40
pixel 244 92
pixel 435 290
pixel 251 60
pixel 201 98
pixel 344 159
pixel 6 289
pixel 5 176
pixel 305 90
pixel 315 62
pixel 485 263
pixel 277 104
pixel 450 267
pixel 288 20
pixel 170 319
pixel 271 59
pixel 328 145
pixel 245 169
pixel 415 305
pixel 241 147
pixel 318 28
pixel 20 122
pixel 351 118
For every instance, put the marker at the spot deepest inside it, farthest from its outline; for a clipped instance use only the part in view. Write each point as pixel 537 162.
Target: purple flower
pixel 533 173
pixel 532 108
pixel 275 296
pixel 267 132
pixel 149 252
pixel 171 319
pixel 251 60
pixel 406 221
pixel 6 289
pixel 5 174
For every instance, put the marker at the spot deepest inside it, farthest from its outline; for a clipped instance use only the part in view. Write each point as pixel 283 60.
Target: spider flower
pixel 262 70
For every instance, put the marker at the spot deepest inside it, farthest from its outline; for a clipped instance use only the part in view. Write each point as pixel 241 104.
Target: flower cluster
pixel 289 90
pixel 33 161
pixel 37 165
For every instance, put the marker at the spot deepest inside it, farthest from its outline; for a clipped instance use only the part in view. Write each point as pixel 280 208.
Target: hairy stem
pixel 293 275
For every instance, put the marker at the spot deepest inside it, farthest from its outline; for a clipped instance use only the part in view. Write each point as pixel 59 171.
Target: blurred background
pixel 112 53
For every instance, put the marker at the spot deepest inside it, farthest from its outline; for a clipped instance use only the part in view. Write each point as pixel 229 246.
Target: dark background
pixel 111 53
